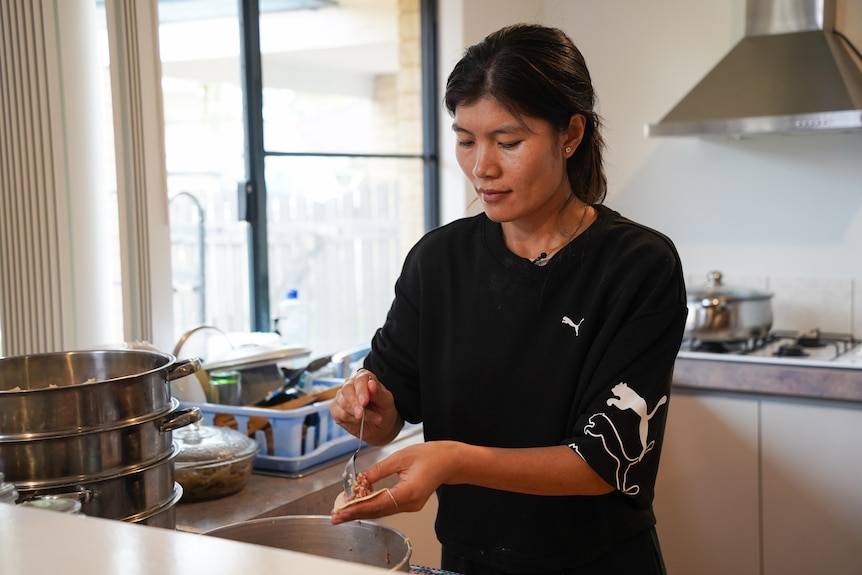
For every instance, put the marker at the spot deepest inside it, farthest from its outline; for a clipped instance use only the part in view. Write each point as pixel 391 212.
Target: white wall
pixel 782 213
pixel 462 24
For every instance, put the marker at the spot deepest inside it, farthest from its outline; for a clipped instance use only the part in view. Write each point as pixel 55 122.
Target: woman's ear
pixel 574 134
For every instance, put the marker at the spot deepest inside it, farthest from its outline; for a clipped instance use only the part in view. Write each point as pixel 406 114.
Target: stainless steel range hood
pixel 791 72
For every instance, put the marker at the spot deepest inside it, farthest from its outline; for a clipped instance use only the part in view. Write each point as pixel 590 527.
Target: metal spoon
pixel 348 478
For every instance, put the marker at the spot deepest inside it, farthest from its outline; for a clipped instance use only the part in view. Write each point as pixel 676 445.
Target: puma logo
pixel 577 326
pixel 601 426
pixel 627 398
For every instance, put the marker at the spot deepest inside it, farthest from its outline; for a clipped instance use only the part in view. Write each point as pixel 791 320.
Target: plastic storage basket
pixel 296 440
pixel 290 441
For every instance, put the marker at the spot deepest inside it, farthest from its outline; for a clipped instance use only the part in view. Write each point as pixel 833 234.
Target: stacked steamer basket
pixel 95 426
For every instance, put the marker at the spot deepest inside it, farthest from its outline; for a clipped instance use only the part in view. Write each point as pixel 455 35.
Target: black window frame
pixel 251 194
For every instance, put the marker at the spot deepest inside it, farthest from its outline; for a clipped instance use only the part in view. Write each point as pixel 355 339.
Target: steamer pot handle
pixel 82 495
pixel 183 368
pixel 180 418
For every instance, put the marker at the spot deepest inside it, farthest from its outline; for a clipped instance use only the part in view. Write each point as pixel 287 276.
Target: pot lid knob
pixel 713 279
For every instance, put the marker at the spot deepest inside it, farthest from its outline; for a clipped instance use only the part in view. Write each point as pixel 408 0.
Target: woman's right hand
pixel 362 391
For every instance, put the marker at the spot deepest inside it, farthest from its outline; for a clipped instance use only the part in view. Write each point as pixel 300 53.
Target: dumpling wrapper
pixel 341 501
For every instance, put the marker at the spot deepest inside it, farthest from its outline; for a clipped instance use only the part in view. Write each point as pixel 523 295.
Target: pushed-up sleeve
pixel 619 428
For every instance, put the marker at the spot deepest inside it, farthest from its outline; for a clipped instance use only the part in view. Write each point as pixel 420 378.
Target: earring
pixel 568 150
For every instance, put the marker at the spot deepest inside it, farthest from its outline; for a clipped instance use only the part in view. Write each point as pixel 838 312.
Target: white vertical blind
pixel 141 173
pixel 54 289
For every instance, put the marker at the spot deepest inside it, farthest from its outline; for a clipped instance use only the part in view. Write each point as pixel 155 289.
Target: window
pixel 333 136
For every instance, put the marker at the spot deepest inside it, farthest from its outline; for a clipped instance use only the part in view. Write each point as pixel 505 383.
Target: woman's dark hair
pixel 537 71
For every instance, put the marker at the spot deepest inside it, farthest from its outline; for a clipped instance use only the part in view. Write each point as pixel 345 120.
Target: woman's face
pixel 517 166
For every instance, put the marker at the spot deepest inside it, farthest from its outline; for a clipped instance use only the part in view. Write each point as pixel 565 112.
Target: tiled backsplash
pixel 829 304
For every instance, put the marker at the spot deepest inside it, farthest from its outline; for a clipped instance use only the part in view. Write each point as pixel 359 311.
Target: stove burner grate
pixel 791 350
pixel 786 344
pixel 710 347
pixel 736 346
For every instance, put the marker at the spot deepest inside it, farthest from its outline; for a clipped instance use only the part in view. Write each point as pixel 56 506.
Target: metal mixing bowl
pixel 362 542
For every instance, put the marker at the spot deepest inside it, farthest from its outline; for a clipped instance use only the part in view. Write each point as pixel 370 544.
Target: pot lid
pixel 714 288
pixel 206 444
pixel 251 356
pixel 219 350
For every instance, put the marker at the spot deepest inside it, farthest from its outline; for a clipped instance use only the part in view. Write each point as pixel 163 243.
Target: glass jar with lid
pixel 213 461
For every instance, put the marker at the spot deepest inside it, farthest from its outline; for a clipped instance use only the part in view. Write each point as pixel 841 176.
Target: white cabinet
pixel 760 485
pixel 812 488
pixel 706 499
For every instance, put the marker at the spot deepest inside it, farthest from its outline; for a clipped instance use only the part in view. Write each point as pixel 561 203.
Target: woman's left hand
pixel 421 469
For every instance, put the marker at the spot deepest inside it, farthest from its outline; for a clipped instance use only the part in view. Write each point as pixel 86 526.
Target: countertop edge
pixel 792 381
pixel 80 545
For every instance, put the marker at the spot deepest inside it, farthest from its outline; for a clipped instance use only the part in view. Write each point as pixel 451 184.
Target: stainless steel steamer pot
pixel 95 426
pixel 78 391
pixel 719 313
pixel 165 515
pixel 68 458
pixel 126 494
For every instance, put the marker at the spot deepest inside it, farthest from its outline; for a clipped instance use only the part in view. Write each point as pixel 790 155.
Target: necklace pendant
pixel 540 260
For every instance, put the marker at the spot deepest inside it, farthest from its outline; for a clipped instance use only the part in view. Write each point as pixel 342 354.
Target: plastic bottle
pixel 291 321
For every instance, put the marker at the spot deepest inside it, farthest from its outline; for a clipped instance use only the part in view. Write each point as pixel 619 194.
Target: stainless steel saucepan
pixel 720 313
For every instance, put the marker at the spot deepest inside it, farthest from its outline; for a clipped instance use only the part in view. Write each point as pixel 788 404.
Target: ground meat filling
pixel 361 487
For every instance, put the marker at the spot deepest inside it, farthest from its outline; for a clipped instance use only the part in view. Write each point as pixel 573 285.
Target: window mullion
pixel 255 186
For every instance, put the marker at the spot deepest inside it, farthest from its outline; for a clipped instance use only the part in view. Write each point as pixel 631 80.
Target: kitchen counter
pixel 113 546
pixel 741 374
pixel 37 541
pixel 268 495
pixel 94 546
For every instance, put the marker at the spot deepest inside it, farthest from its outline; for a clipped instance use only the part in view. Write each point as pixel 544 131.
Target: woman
pixel 535 341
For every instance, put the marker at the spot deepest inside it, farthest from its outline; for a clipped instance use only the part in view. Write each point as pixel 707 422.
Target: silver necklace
pixel 542 258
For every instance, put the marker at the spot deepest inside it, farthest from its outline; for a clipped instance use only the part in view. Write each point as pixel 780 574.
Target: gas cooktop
pixel 784 347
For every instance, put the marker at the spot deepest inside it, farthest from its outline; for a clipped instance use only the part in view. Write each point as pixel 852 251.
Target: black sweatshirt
pixel 487 348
